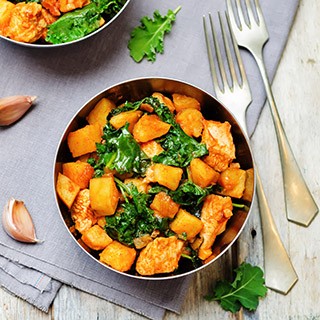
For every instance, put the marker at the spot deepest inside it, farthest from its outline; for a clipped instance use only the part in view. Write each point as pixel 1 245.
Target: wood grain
pixel 296 90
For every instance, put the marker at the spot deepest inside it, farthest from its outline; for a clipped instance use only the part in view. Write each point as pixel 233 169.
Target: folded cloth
pixel 64 79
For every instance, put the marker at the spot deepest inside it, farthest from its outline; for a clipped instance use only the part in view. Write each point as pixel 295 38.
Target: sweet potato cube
pixel 79 172
pixel 96 238
pixel 118 256
pixel 122 118
pixel 233 182
pixel 151 148
pixel 163 206
pixel 167 176
pixel 149 127
pixel 249 187
pixel 186 223
pixel 202 174
pixel 184 102
pixel 104 195
pixel 190 121
pixel 67 190
pixel 165 100
pixel 84 140
pixel 100 112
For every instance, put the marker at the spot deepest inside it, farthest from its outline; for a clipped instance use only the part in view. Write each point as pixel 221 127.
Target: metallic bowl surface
pixel 136 89
pixel 38 45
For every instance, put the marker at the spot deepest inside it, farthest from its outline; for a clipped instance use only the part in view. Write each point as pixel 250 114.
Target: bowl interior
pixel 137 89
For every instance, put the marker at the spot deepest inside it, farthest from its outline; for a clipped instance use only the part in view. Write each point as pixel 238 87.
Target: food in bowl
pixel 54 21
pixel 150 186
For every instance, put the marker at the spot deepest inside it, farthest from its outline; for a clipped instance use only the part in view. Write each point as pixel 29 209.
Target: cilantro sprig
pixel 147 39
pixel 245 290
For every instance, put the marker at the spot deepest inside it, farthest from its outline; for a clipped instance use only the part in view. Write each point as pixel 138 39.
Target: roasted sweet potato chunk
pixel 164 206
pixel 181 102
pixel 151 148
pixel 79 172
pixel 118 256
pixel 141 184
pixel 122 118
pixel 100 112
pixel 159 256
pixel 167 176
pixel 233 181
pixel 67 190
pixel 190 121
pixel 186 223
pixel 202 174
pixel 165 100
pixel 149 127
pixel 84 140
pixel 249 187
pixel 96 238
pixel 104 195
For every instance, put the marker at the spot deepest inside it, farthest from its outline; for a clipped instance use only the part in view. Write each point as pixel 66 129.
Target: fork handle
pixel 279 272
pixel 300 205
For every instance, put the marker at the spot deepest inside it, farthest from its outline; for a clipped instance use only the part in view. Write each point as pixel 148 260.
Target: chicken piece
pixel 52 6
pixel 81 212
pixel 190 121
pixel 27 23
pixel 160 256
pixel 218 139
pixel 182 101
pixel 69 5
pixel 215 213
pixel 6 8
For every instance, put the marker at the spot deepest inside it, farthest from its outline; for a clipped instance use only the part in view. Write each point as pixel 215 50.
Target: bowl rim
pixel 47 45
pixel 157 278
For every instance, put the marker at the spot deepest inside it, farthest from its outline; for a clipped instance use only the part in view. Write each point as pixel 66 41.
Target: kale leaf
pixel 245 290
pixel 147 39
pixel 135 218
pixel 119 151
pixel 76 24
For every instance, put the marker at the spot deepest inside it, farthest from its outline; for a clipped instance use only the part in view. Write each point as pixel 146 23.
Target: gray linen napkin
pixel 64 79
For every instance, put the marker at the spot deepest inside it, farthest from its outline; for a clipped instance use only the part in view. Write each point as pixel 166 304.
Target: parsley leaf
pixel 147 39
pixel 245 290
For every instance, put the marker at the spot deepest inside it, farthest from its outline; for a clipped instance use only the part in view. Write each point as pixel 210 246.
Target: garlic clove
pixel 13 108
pixel 17 222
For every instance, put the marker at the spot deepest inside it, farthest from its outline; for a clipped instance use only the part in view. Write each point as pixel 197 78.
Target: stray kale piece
pixel 147 39
pixel 135 218
pixel 179 148
pixel 76 24
pixel 244 291
pixel 119 151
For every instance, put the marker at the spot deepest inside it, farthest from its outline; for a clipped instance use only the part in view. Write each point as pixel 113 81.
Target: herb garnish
pixel 147 39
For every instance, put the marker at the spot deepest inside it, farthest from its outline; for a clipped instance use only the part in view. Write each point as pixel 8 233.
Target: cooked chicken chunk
pixel 218 139
pixel 6 8
pixel 215 213
pixel 27 23
pixel 81 212
pixel 160 256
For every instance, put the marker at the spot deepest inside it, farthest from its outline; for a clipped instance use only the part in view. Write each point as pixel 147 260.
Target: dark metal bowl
pixel 47 45
pixel 212 109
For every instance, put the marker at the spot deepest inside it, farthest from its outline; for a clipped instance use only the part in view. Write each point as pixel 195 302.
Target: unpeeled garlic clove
pixel 13 108
pixel 17 222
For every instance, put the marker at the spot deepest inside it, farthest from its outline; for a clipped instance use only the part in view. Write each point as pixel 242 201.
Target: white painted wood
pixel 297 92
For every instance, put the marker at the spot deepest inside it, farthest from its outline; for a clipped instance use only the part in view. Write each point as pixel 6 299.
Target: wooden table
pixel 297 92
